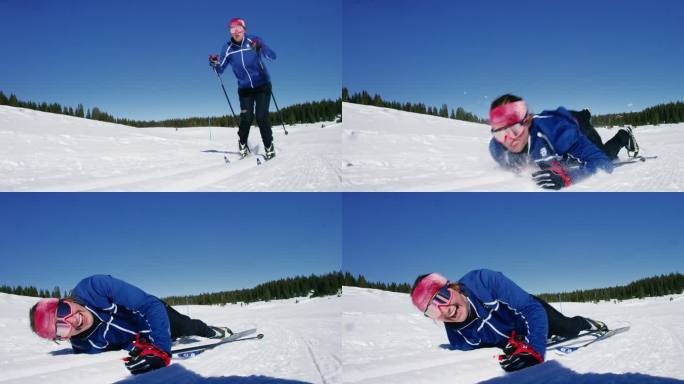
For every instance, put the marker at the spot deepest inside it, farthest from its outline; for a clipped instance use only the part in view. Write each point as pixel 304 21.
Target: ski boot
pixel 221 332
pixel 632 147
pixel 270 152
pixel 244 149
pixel 597 326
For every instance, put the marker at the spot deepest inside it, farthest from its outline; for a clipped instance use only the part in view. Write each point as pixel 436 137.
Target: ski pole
pixel 263 71
pixel 235 119
pixel 282 121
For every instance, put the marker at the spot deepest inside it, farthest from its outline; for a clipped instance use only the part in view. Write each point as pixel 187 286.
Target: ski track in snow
pixel 301 345
pixel 49 152
pixel 389 150
pixel 384 340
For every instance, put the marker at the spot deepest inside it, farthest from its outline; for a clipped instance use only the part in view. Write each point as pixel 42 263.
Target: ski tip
pixel 564 350
pixel 260 336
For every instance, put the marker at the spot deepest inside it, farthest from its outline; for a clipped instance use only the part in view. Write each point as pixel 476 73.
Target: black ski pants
pixel 261 98
pixel 612 147
pixel 559 325
pixel 182 325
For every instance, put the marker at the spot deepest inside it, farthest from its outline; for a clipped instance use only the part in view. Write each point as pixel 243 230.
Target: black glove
pixel 553 177
pixel 518 355
pixel 257 44
pixel 213 61
pixel 145 357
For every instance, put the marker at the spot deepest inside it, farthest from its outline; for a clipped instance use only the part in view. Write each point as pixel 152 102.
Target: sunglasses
pixel 236 28
pixel 512 130
pixel 441 299
pixel 62 327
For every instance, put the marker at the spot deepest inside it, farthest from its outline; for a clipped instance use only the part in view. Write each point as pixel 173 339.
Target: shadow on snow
pixel 553 372
pixel 179 374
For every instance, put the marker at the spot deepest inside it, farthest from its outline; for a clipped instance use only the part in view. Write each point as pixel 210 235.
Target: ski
pixel 632 160
pixel 188 352
pixel 560 340
pixel 564 350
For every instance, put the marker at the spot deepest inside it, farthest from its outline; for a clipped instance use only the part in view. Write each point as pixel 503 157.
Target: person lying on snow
pixel 563 144
pixel 106 314
pixel 486 309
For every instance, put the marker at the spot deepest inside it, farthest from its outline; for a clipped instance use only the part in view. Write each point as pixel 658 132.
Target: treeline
pixel 300 286
pixel 669 113
pixel 31 291
pixel 648 287
pixel 310 112
pixel 376 100
pixel 349 280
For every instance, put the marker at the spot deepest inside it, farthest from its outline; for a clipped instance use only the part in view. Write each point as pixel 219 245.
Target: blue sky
pixel 609 55
pixel 168 243
pixel 544 242
pixel 149 59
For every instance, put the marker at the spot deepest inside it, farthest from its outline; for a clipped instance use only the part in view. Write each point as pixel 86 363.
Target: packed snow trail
pixel 49 152
pixel 388 150
pixel 385 340
pixel 302 345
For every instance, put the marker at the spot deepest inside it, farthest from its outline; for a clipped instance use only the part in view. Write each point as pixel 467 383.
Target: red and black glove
pixel 213 60
pixel 553 177
pixel 257 44
pixel 518 355
pixel 145 357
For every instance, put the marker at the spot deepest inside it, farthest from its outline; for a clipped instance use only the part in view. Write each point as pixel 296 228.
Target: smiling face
pixel 457 309
pixel 80 320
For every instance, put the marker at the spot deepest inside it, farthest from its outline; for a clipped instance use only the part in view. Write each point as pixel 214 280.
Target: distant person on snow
pixel 485 309
pixel 106 314
pixel 562 143
pixel 244 53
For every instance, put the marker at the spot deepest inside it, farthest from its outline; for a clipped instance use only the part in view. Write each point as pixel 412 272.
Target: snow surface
pixel 49 152
pixel 389 150
pixel 385 340
pixel 301 345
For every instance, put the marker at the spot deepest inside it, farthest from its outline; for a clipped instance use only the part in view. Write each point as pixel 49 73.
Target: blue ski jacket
pixel 500 307
pixel 123 310
pixel 555 136
pixel 246 61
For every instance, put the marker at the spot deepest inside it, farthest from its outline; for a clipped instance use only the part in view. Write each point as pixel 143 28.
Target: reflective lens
pixel 236 29
pixel 511 131
pixel 441 299
pixel 62 327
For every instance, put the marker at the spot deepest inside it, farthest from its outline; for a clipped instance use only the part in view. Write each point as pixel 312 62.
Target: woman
pixel 553 140
pixel 104 314
pixel 486 309
pixel 244 54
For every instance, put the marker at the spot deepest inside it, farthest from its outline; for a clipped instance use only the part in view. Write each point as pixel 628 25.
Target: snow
pixel 377 149
pixel 49 152
pixel 301 345
pixel 385 340
pixel 390 150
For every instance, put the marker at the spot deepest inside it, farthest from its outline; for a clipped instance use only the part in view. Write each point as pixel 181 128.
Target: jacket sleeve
pixel 593 158
pixel 104 291
pixel 223 59
pixel 569 141
pixel 505 290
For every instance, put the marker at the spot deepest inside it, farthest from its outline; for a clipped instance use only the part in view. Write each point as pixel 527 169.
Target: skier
pixel 486 309
pixel 244 53
pixel 104 314
pixel 562 143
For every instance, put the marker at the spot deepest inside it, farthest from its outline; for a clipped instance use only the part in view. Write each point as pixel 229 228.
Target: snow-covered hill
pixel 385 340
pixel 389 150
pixel 302 345
pixel 48 152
